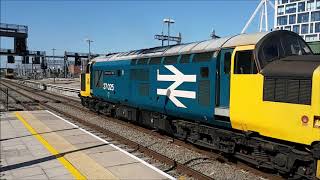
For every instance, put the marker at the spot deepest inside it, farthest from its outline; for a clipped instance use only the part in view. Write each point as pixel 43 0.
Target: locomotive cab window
pixel 279 46
pixel 244 63
pixel 170 60
pixel 88 69
pixel 202 57
pixel 155 60
pixel 133 61
pixel 98 79
pixel 270 51
pixel 295 46
pixel 185 58
pixel 143 61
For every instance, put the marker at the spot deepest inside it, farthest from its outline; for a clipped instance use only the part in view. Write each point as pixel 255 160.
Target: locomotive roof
pixel 195 47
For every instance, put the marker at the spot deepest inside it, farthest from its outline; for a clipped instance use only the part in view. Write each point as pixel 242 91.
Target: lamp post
pixel 65 58
pixel 54 75
pixel 168 38
pixel 89 41
pixel 168 21
pixel 53 60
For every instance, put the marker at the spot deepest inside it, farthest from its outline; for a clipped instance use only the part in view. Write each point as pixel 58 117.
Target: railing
pixel 62 90
pixel 5 98
pixel 68 89
pixel 27 53
pixel 50 87
pixel 83 55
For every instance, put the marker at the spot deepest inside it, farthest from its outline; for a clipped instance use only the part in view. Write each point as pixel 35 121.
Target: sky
pixel 121 25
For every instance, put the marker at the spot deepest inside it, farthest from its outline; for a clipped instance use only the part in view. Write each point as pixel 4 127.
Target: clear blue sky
pixel 122 25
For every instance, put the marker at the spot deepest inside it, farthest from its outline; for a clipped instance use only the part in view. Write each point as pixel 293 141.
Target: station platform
pixel 64 82
pixel 42 145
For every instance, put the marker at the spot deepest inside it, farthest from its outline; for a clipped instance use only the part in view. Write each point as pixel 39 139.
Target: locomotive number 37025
pixel 108 86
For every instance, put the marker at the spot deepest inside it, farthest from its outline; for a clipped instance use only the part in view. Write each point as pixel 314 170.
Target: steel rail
pixel 25 105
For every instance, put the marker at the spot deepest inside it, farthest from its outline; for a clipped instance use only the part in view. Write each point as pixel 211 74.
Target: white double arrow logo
pixel 178 79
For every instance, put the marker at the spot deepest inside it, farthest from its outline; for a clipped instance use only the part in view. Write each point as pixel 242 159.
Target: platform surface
pixel 65 82
pixel 42 145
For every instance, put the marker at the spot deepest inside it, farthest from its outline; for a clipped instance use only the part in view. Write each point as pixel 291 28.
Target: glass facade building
pixel 300 16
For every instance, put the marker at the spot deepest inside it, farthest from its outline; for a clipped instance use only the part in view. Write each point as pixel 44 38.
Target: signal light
pixel 25 60
pixel 304 119
pixel 77 60
pixel 10 59
pixel 36 60
pixel 43 63
pixel 20 45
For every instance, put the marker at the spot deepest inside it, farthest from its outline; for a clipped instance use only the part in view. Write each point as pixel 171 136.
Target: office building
pixel 300 16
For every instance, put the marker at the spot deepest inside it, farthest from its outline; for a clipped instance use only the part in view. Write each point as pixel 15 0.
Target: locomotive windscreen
pixel 280 44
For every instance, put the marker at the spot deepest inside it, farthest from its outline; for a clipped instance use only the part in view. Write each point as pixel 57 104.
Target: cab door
pixel 224 78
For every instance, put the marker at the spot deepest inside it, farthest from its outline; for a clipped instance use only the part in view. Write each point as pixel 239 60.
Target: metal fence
pixel 50 87
pixel 4 98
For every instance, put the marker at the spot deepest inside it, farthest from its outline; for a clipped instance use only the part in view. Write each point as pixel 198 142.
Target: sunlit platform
pixel 42 145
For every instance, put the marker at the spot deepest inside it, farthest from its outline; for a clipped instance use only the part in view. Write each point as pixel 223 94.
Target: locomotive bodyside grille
pixel 305 92
pixel 144 89
pixel 297 91
pixel 293 91
pixel 204 92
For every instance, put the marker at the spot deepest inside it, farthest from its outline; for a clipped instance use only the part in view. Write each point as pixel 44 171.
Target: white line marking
pixel 116 147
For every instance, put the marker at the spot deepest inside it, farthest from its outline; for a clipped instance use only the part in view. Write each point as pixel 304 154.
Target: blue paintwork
pixel 121 86
pixel 126 90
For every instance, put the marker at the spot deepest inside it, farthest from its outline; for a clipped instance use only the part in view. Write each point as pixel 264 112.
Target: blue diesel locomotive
pixel 255 96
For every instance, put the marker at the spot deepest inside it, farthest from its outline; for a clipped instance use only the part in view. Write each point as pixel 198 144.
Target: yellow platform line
pixel 52 150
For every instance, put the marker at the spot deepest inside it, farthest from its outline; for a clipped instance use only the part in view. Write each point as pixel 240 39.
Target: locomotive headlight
pixel 304 119
pixel 316 122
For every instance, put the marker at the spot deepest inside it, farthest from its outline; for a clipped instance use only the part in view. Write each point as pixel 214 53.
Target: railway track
pixel 12 101
pixel 186 167
pixel 183 169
